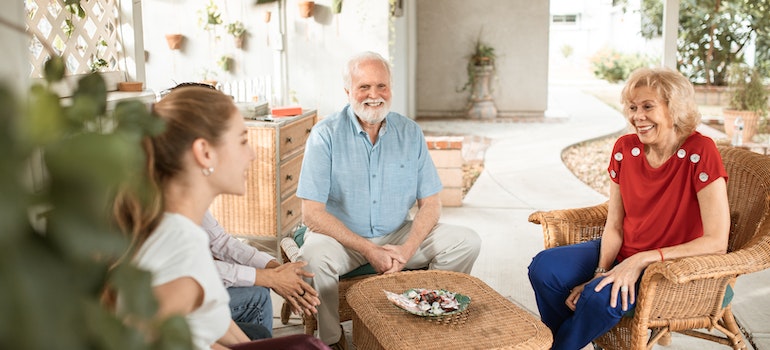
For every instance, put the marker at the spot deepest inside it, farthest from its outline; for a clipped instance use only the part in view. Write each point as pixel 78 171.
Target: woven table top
pixel 490 322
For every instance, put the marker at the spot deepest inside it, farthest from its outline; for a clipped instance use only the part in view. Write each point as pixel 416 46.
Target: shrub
pixel 614 66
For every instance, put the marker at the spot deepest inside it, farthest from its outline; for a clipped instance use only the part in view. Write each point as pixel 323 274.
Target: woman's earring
pixel 207 171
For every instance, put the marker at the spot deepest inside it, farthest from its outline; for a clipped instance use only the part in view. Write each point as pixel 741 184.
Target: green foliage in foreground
pixel 62 162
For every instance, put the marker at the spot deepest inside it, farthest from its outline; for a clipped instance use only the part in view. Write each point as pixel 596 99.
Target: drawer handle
pixel 289 139
pixel 290 212
pixel 289 177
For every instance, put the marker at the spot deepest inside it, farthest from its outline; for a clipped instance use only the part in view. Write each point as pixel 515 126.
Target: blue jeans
pixel 252 305
pixel 553 273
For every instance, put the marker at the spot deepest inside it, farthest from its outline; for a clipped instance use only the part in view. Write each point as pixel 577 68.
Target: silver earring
pixel 207 171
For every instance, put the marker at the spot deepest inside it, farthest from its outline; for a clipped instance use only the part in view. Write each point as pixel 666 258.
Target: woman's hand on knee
pixel 574 295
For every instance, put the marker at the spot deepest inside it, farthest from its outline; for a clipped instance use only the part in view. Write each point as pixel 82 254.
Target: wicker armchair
pixel 685 295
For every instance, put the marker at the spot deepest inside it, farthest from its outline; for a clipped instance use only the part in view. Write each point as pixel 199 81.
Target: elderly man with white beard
pixel 364 168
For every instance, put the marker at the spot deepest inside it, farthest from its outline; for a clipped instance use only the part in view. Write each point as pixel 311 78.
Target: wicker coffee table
pixel 490 322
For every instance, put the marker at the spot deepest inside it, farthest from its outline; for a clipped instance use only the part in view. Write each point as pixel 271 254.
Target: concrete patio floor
pixel 523 172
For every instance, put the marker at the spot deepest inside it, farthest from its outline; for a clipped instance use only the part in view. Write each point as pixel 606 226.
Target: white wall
pixel 319 47
pixel 15 67
pixel 446 32
pixel 201 49
pixel 305 62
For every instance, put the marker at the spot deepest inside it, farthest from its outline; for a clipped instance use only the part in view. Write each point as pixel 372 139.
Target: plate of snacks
pixel 429 302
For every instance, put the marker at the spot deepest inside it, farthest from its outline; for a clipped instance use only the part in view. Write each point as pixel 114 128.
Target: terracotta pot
pixel 174 41
pixel 210 82
pixel 130 86
pixel 238 40
pixel 306 8
pixel 750 121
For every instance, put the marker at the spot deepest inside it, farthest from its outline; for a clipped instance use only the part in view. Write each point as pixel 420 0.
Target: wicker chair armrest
pixel 687 287
pixel 754 257
pixel 570 226
pixel 289 249
pixel 662 300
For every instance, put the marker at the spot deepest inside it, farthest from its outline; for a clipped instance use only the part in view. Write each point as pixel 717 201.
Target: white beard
pixel 371 115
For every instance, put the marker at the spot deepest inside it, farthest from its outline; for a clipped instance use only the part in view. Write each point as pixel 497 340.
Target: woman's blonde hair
pixel 673 88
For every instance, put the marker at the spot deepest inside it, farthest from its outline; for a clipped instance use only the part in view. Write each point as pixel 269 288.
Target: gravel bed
pixel 588 160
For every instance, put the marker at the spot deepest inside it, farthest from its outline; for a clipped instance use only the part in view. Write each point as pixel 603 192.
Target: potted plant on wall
pixel 306 8
pixel 209 76
pixel 238 31
pixel 748 100
pixel 174 41
pixel 210 17
pixel 225 63
pixel 481 69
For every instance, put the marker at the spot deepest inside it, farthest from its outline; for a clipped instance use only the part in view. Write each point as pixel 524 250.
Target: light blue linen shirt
pixel 370 188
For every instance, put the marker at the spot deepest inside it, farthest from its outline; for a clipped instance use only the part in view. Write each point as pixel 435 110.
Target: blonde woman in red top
pixel 668 199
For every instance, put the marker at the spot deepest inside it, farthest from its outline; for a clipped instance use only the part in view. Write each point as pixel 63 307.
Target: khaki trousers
pixel 447 247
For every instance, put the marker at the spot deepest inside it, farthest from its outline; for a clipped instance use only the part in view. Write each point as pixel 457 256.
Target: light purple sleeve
pixel 236 261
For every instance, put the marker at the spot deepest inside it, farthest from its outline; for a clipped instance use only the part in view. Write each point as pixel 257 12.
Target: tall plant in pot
pixel 748 100
pixel 481 70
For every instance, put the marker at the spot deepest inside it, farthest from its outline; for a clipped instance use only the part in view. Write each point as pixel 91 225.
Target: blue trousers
pixel 252 305
pixel 553 273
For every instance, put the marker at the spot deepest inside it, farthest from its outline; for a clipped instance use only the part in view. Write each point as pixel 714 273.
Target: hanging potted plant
pixel 174 41
pixel 225 63
pixel 748 100
pixel 306 8
pixel 238 31
pixel 480 69
pixel 209 76
pixel 210 17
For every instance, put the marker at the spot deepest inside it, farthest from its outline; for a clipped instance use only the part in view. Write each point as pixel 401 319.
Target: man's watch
pixel 600 270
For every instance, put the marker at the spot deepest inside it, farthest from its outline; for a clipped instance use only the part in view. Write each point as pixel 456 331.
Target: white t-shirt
pixel 180 248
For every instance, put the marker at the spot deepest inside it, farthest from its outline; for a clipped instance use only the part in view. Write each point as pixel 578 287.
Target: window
pixel 564 19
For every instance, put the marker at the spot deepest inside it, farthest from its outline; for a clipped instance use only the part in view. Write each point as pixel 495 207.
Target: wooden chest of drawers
pixel 270 208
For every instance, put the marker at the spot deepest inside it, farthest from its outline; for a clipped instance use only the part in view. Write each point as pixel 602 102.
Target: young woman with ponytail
pixel 203 152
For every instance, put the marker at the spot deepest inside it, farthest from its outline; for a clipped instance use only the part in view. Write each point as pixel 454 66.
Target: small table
pixel 491 321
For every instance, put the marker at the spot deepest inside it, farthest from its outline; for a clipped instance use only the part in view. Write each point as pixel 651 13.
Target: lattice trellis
pixel 93 42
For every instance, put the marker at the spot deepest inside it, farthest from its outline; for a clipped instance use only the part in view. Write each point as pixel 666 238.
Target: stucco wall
pixel 446 32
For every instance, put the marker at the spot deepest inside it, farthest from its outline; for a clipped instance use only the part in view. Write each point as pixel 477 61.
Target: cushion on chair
pixel 367 269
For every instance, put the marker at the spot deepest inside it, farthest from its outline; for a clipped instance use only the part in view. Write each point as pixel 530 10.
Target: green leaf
pixel 54 69
pixel 44 123
pixel 98 161
pixel 68 27
pixel 135 291
pixel 174 334
pixel 89 100
pixel 135 117
pixel 108 331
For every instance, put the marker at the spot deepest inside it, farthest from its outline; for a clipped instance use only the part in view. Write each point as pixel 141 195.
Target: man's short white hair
pixel 354 61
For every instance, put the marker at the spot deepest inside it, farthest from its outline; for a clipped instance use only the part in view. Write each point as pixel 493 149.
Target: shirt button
pixel 374 175
pixel 374 202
